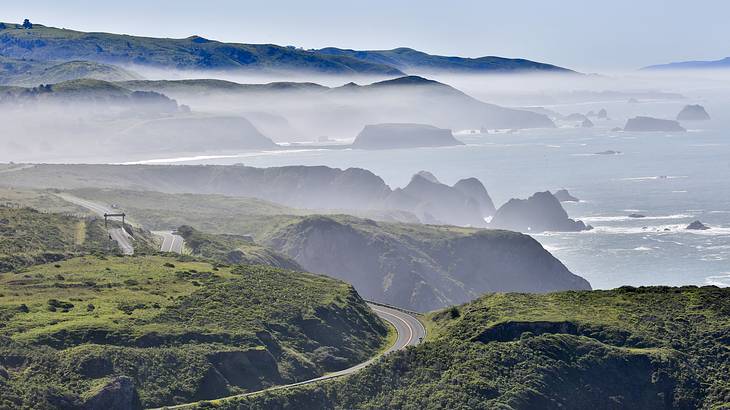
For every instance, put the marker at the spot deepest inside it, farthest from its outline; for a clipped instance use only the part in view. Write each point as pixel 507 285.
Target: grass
pixel 653 347
pixel 170 324
pixel 189 53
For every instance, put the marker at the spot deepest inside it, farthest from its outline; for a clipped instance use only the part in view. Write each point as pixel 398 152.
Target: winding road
pixel 410 333
pixel 171 242
pixel 409 329
pixel 119 235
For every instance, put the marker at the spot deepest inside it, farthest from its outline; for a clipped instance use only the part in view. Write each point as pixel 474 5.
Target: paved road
pixel 171 242
pixel 122 238
pixel 410 333
pixel 119 235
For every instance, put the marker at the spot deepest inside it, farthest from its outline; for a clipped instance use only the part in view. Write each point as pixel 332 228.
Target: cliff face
pixel 434 202
pixel 304 187
pixel 422 267
pixel 539 213
pixel 385 136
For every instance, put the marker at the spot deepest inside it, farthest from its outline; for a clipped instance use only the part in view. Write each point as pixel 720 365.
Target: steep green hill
pixel 421 267
pixel 192 53
pixel 165 331
pixel 629 348
pixel 234 249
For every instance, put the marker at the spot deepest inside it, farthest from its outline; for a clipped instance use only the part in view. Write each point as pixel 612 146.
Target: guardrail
pixel 410 312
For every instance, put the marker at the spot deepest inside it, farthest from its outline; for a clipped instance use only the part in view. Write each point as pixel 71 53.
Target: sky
pixel 587 36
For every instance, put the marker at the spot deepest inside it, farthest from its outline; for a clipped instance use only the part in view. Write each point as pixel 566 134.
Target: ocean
pixel 671 179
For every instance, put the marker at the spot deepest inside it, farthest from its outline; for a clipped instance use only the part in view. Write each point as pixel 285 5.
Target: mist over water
pixel 671 178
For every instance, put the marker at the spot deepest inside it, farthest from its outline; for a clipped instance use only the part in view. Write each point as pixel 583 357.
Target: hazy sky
pixel 588 36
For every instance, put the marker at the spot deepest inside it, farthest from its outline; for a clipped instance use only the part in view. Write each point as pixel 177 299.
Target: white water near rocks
pixel 672 179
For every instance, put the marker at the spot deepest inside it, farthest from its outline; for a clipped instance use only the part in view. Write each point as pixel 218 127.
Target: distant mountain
pixel 411 61
pixel 313 110
pixel 692 65
pixel 33 73
pixel 192 53
pixel 45 43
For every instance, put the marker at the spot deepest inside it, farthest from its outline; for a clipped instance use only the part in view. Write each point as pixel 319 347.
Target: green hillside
pixel 647 348
pixel 31 73
pixel 29 237
pixel 192 53
pixel 233 249
pixel 72 332
pixel 410 60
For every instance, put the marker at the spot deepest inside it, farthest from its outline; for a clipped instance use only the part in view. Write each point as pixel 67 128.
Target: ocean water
pixel 672 179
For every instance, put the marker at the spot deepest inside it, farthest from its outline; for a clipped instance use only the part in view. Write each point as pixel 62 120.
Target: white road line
pixel 410 329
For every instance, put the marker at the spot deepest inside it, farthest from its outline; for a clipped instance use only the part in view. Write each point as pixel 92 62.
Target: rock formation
pixel 564 196
pixel 693 113
pixel 697 226
pixel 647 124
pixel 387 136
pixel 539 213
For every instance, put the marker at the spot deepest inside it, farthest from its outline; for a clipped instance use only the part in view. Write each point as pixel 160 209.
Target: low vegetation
pixel 233 249
pixel 29 237
pixel 649 348
pixel 177 330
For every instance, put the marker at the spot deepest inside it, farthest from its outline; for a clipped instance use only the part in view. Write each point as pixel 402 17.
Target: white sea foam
pixel 618 218
pixel 230 156
pixel 652 178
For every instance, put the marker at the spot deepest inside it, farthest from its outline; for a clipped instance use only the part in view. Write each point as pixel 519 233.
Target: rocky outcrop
pixel 539 213
pixel 474 189
pixel 697 226
pixel 422 267
pixel 693 113
pixel 400 135
pixel 465 204
pixel 563 195
pixel 648 124
pixel 587 123
pixel 119 393
pixel 602 114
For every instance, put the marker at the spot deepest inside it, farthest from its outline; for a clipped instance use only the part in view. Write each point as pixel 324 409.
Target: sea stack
pixel 389 136
pixel 649 124
pixel 697 226
pixel 693 113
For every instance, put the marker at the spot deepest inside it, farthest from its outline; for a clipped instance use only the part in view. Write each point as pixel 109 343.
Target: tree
pixel 27 24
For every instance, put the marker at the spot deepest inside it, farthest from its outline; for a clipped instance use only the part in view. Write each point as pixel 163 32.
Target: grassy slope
pixel 408 59
pixel 181 330
pixel 49 43
pixel 31 73
pixel 209 213
pixel 654 347
pixel 29 237
pixel 421 267
pixel 234 249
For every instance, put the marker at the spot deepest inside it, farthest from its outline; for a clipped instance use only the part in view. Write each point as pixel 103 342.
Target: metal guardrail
pixel 410 312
